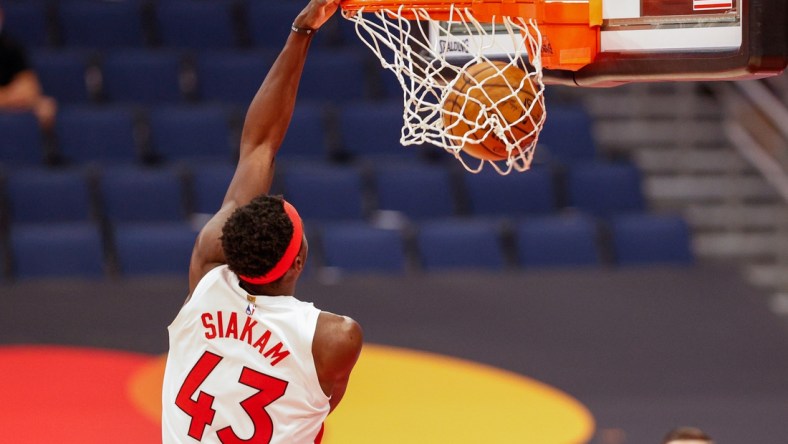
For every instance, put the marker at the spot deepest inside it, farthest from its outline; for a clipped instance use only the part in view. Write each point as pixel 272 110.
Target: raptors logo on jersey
pixel 211 392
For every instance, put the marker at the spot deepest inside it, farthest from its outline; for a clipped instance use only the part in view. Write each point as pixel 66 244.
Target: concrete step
pixel 629 107
pixel 706 189
pixel 772 275
pixel 631 134
pixel 750 246
pixel 674 160
pixel 732 216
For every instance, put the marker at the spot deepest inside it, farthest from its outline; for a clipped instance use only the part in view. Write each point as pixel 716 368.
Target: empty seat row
pixel 171 76
pixel 81 250
pixel 156 23
pixel 542 242
pixel 165 133
pixel 420 191
pixel 328 193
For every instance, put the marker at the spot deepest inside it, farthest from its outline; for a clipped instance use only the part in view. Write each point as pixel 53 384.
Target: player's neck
pixel 278 288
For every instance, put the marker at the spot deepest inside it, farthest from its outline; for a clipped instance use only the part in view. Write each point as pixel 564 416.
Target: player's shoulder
pixel 338 333
pixel 338 326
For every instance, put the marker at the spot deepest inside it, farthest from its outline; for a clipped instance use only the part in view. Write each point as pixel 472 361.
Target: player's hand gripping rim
pixel 316 13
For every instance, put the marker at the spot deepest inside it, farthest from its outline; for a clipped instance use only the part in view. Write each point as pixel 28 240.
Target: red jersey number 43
pixel 202 412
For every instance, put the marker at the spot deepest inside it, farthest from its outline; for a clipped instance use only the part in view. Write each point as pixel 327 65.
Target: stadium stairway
pixel 675 133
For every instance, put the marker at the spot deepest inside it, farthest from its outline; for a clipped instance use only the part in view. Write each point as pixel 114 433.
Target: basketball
pixel 493 87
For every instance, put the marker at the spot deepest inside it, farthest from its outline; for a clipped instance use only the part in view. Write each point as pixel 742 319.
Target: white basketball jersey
pixel 240 367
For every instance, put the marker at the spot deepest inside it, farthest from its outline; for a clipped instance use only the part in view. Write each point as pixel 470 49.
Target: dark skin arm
pixel 336 348
pixel 264 129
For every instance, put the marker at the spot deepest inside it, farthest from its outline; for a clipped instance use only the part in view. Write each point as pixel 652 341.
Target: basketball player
pixel 247 361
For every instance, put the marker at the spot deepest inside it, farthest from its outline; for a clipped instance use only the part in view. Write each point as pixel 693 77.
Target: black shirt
pixel 13 59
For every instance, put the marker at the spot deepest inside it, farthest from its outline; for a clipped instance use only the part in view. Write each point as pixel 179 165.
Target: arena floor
pixel 603 357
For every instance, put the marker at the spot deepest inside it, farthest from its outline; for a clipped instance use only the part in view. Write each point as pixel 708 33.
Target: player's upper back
pixel 242 365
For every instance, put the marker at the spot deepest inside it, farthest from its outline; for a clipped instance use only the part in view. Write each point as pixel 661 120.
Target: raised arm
pixel 264 129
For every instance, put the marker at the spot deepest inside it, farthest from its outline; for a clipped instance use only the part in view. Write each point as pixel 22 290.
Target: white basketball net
pixel 427 78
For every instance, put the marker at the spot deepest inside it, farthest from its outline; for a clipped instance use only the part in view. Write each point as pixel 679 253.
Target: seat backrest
pixel 307 135
pixel 136 194
pixel 357 247
pixel 460 244
pixel 49 196
pixel 57 250
pixel 324 192
pixel 197 133
pixel 557 241
pixel 231 76
pixel 418 191
pixel 567 136
pixel 142 77
pixel 371 130
pixel 269 24
pixel 63 74
pixel 518 194
pixel 27 23
pixel 21 140
pixel 196 24
pixel 154 249
pixel 645 239
pixel 104 25
pixel 605 189
pixel 346 83
pixel 209 183
pixel 96 134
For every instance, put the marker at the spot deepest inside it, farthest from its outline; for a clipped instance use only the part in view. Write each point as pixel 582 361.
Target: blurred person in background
pixel 20 90
pixel 687 435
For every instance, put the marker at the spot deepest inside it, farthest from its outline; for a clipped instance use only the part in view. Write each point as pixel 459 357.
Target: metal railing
pixel 756 122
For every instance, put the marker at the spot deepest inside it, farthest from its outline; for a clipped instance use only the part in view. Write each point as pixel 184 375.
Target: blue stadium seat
pixel 647 239
pixel 231 76
pixel 460 244
pixel 604 189
pixel 356 247
pixel 209 186
pixel 49 196
pixel 324 192
pixel 154 249
pixel 142 77
pixel 419 191
pixel 191 133
pixel 101 24
pixel 269 24
pixel 306 137
pixel 57 250
pixel 557 241
pixel 63 74
pixel 346 83
pixel 517 194
pixel 21 141
pixel 372 130
pixel 196 24
pixel 96 134
pixel 567 135
pixel 27 23
pixel 136 194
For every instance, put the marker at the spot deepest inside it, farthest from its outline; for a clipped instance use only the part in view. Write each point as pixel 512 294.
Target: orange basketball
pixel 491 85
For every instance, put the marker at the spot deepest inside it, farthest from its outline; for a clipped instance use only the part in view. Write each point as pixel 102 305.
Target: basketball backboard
pixel 656 40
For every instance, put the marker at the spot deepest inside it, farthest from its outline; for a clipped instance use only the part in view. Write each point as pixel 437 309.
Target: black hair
pixel 255 237
pixel 685 433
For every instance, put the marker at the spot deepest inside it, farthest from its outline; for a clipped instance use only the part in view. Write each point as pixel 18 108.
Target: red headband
pixel 291 251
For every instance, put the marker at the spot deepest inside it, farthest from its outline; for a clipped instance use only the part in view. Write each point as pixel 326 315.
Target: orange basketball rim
pixel 570 30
